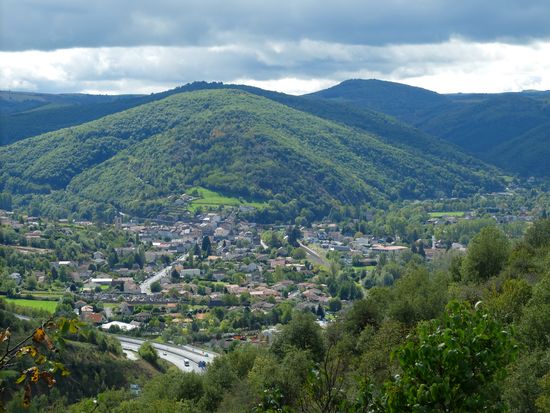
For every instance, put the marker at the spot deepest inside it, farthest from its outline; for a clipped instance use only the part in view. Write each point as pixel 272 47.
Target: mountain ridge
pixel 228 140
pixel 477 123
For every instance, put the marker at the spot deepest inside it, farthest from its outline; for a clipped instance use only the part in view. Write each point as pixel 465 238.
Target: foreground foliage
pixel 454 365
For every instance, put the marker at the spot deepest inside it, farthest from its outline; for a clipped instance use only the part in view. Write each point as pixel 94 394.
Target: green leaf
pixel 21 378
pixel 64 326
pixel 73 327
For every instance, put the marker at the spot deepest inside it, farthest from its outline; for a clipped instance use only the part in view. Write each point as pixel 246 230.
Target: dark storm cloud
pixel 47 25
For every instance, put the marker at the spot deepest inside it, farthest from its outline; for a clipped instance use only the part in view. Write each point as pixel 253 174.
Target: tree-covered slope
pixel 233 142
pixel 49 112
pixel 386 128
pixel 17 102
pixel 485 125
pixel 26 114
pixel 481 126
pixel 29 114
pixel 527 154
pixel 407 103
pixel 23 115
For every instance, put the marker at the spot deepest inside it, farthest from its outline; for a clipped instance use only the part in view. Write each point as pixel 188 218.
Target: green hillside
pixel 94 360
pixel 485 125
pixel 230 141
pixel 527 154
pixel 479 127
pixel 18 102
pixel 407 103
pixel 386 128
pixel 25 114
pixel 57 111
pixel 420 121
pixel 28 114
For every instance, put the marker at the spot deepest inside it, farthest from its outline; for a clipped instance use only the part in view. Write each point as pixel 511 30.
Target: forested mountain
pixel 233 142
pixel 527 154
pixel 485 125
pixel 17 102
pixel 386 128
pixel 488 126
pixel 28 114
pixel 53 112
pixel 479 127
pixel 408 103
pixel 24 114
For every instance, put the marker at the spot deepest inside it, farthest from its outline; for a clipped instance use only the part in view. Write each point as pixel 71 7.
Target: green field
pixel 211 199
pixel 43 294
pixel 458 214
pixel 36 304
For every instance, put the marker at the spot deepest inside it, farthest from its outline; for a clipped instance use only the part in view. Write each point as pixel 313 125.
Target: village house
pixel 264 292
pixel 86 308
pixel 276 262
pixel 262 306
pixel 125 251
pixel 188 272
pixel 142 317
pixel 221 233
pixel 58 264
pixel 235 289
pixel 98 255
pixel 91 317
pixel 125 309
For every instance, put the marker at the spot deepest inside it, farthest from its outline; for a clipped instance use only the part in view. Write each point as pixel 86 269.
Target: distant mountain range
pixel 296 155
pixel 508 130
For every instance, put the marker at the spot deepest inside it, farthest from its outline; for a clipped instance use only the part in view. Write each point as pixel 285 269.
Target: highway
pixel 314 256
pixel 174 354
pixel 145 286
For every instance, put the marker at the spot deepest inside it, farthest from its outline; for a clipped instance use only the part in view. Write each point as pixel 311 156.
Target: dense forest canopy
pixel 505 129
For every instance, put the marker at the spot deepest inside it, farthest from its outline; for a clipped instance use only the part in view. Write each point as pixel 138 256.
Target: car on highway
pixel 186 362
pixel 164 353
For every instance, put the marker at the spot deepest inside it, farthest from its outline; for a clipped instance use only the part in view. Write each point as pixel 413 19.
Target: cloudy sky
pixel 294 46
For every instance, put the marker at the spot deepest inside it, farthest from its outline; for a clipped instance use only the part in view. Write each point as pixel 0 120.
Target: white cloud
pixel 485 67
pixel 290 85
pixel 292 67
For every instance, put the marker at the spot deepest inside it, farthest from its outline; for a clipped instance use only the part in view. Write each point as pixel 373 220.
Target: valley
pixel 274 207
pixel 220 237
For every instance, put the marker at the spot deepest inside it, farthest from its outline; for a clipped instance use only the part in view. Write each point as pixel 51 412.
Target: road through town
pixel 145 286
